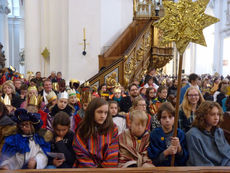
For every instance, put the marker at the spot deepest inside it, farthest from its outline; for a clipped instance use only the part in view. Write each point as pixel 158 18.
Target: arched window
pixel 16 33
pixel 14 6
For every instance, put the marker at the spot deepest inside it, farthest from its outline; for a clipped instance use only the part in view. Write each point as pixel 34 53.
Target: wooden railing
pixel 129 170
pixel 132 54
pixel 121 60
pixel 118 48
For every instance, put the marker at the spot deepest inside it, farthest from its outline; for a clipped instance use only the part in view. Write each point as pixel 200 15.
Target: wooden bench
pixel 129 170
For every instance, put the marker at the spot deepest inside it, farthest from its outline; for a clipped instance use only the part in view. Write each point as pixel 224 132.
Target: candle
pixel 84 33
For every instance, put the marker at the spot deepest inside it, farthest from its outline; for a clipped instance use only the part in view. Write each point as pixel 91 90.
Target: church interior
pixel 94 49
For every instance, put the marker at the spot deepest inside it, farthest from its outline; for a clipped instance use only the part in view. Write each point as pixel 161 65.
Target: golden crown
pixel 71 92
pixel 32 88
pixel 51 96
pixel 7 100
pixel 33 100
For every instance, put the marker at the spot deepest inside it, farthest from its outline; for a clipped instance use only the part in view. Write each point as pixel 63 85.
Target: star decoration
pixel 184 22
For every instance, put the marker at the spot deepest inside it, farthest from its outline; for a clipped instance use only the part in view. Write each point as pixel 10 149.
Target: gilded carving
pixel 112 79
pixel 136 57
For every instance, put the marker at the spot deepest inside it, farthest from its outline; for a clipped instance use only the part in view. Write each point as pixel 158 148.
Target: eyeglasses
pixel 141 105
pixel 193 95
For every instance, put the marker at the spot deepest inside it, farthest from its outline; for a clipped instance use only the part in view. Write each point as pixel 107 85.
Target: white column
pixel 4 36
pixel 58 35
pixel 33 35
pixel 218 47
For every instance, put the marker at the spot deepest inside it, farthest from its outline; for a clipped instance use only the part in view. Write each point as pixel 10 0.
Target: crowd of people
pixel 46 123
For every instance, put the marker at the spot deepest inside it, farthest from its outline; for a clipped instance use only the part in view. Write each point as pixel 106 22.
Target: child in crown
pixel 62 105
pixel 26 149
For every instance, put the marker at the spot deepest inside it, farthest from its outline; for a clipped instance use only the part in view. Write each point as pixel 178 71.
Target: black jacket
pixel 125 104
pixel 64 146
pixel 16 100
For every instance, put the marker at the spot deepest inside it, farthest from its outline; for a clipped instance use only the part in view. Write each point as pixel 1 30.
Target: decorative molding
pixel 228 13
pixel 2 57
pixel 4 9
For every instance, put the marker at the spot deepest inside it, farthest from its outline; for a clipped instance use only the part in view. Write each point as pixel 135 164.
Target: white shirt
pixel 18 160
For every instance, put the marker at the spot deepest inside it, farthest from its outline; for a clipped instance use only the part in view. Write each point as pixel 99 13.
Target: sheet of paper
pixel 56 155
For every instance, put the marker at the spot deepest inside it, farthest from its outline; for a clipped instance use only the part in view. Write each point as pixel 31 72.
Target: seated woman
pixel 26 149
pixel 96 141
pixel 206 142
pixel 192 99
pixel 8 89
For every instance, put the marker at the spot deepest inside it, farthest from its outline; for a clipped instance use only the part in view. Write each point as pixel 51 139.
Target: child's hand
pixel 147 165
pixel 4 167
pixel 176 142
pixel 57 162
pixel 32 163
pixel 171 150
pixel 58 138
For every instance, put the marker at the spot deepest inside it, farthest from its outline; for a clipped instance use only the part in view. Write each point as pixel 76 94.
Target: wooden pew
pixel 129 170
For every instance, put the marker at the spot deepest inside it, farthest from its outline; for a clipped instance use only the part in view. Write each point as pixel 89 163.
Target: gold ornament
pixel 7 100
pixel 33 100
pixel 55 86
pixel 184 22
pixel 31 88
pixel 45 53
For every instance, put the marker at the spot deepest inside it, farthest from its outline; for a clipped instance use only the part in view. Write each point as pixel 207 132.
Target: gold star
pixel 184 22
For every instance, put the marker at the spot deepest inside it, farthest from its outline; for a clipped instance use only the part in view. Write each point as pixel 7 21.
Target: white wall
pixel 104 21
pixel 200 59
pixel 32 35
pixel 58 36
pixel 84 14
pixel 58 25
pixel 116 15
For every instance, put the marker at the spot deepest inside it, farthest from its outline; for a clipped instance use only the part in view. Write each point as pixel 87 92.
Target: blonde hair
pixel 139 115
pixel 10 84
pixel 186 106
pixel 135 102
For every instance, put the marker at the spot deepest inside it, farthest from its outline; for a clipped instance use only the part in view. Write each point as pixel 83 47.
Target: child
pixel 62 141
pixel 116 96
pixel 207 145
pixel 96 141
pixel 52 101
pixel 133 142
pixel 86 98
pixel 162 145
pixel 73 100
pixel 26 149
pixel 154 106
pixel 62 105
pixel 7 126
pixel 139 104
pixel 119 120
pixel 162 92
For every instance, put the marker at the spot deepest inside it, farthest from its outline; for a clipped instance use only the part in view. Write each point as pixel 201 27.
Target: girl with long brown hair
pixel 96 141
